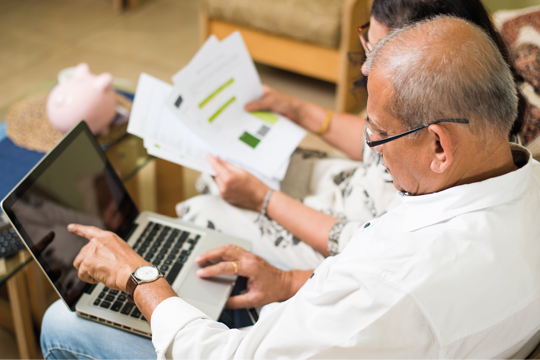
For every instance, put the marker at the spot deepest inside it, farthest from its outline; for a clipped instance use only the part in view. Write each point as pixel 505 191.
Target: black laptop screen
pixel 73 184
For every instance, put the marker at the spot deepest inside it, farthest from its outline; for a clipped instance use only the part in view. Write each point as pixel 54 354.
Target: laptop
pixel 75 183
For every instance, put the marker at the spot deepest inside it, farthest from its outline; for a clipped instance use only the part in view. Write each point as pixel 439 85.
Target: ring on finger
pixel 238 248
pixel 235 266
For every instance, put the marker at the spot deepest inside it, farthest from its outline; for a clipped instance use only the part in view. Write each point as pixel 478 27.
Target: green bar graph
pixel 250 139
pixel 215 93
pixel 265 116
pixel 220 110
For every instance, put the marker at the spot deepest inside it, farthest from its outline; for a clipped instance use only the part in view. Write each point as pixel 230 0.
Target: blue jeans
pixel 64 335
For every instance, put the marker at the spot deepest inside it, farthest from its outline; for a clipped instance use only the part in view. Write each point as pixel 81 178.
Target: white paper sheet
pixel 166 137
pixel 210 100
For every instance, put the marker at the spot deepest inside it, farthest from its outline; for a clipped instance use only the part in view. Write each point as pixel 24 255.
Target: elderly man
pixel 453 272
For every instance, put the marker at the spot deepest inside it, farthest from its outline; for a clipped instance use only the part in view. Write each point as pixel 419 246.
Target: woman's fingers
pixel 217 165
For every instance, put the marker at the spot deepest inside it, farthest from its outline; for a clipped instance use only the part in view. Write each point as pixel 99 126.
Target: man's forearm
pixel 297 279
pixel 148 296
pixel 307 224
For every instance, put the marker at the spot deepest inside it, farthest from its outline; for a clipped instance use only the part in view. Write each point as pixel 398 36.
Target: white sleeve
pixel 337 314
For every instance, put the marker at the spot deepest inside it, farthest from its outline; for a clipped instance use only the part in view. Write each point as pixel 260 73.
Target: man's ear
pixel 442 148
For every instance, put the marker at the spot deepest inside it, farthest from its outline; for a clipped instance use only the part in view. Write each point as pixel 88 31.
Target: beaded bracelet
pixel 266 200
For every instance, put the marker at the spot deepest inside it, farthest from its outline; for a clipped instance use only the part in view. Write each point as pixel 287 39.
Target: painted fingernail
pixel 70 226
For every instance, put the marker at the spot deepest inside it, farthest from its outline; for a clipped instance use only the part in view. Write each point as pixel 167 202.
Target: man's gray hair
pixel 448 76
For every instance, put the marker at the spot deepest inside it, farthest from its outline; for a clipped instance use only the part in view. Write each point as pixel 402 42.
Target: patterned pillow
pixel 521 32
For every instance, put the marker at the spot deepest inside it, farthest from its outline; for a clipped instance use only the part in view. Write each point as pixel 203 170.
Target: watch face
pixel 146 273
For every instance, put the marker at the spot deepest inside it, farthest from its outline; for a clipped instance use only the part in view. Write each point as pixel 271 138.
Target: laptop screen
pixel 74 183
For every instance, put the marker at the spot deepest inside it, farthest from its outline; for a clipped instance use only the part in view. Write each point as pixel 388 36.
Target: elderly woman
pixel 338 196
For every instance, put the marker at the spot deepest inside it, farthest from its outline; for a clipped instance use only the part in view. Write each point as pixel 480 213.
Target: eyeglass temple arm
pixel 384 141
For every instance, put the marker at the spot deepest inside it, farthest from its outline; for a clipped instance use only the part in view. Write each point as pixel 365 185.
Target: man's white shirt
pixel 454 274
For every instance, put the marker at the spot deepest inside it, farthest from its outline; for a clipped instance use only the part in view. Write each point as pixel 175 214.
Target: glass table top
pixel 127 156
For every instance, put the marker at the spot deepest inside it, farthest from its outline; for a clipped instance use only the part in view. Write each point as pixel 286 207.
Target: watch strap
pixel 130 288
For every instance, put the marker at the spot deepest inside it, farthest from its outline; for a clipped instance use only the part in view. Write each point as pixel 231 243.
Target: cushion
pixel 520 30
pixel 313 21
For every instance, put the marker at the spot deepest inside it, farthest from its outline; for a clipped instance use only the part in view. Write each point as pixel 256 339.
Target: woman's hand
pixel 277 102
pixel 237 186
pixel 266 283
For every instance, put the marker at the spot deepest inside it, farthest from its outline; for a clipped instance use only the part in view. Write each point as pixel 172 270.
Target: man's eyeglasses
pixel 373 140
pixel 363 35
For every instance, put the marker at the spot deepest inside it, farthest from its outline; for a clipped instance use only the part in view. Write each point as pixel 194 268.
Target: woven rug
pixel 29 127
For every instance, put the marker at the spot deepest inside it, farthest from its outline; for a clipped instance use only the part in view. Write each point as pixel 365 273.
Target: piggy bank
pixel 86 97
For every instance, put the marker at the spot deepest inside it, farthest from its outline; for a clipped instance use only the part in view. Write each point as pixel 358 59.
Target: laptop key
pixel 136 313
pixel 148 257
pixel 184 236
pixel 197 237
pixel 101 294
pixel 168 262
pixel 143 318
pixel 109 298
pixel 121 298
pixel 105 304
pixel 174 272
pixel 127 308
pixel 154 249
pixel 171 257
pixel 175 251
pixel 163 251
pixel 89 289
pixel 164 268
pixel 113 292
pixel 160 256
pixel 116 306
pixel 156 262
pixel 166 228
pixel 96 302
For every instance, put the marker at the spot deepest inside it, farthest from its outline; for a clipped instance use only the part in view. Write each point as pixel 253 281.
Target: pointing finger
pixel 88 232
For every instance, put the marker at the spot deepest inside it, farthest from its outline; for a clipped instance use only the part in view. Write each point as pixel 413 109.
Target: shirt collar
pixel 425 210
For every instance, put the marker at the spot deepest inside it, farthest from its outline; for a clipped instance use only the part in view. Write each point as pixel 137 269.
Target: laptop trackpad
pixel 208 291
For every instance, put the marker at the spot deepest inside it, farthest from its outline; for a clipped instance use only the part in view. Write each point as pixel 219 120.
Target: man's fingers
pixel 223 268
pixel 88 232
pixel 227 252
pixel 241 301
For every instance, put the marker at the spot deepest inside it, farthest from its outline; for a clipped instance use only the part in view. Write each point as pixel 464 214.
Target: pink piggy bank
pixel 84 97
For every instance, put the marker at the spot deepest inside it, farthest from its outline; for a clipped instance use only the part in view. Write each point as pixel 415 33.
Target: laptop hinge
pixel 131 231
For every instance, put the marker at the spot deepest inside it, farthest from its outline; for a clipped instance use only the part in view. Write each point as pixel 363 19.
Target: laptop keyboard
pixel 10 243
pixel 165 247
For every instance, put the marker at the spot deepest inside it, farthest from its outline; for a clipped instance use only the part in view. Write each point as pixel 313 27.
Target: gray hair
pixel 445 77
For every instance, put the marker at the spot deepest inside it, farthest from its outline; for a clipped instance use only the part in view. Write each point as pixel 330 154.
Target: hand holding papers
pixel 204 113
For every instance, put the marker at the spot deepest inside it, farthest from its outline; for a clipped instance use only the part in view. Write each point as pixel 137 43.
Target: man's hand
pixel 106 258
pixel 237 186
pixel 277 102
pixel 266 283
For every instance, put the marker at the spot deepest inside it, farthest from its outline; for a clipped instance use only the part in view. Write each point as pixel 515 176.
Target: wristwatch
pixel 142 275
